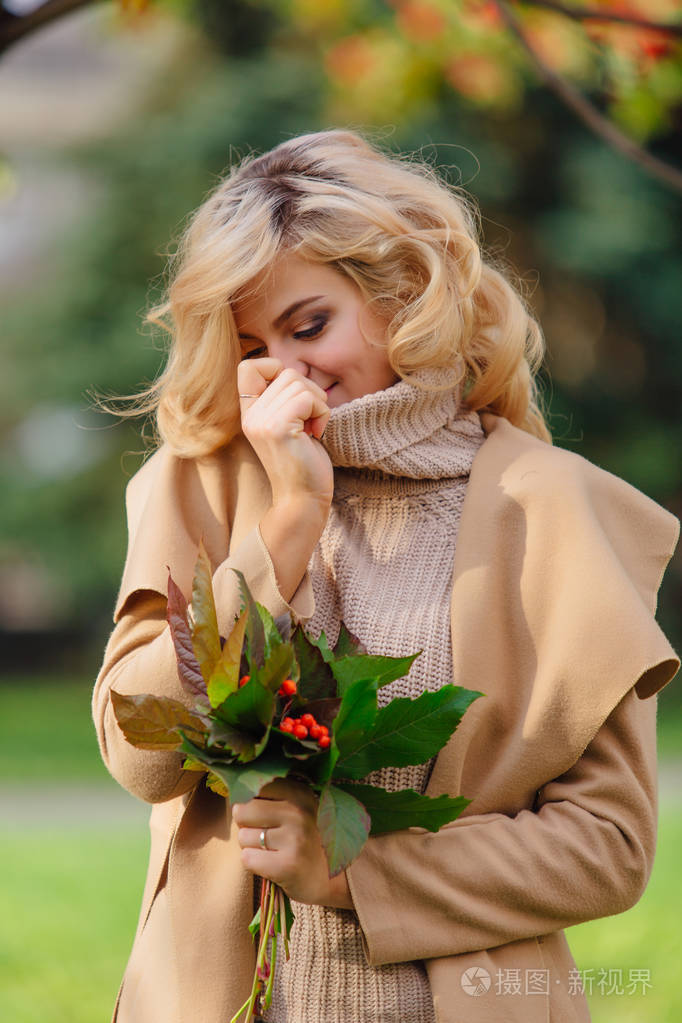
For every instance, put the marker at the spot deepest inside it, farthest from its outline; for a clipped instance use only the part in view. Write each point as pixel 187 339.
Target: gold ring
pixel 261 840
pixel 249 395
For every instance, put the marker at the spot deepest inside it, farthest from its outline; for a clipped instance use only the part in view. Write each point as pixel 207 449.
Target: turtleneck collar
pixel 405 431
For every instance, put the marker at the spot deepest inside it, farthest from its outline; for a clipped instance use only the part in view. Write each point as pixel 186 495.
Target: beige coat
pixel 556 572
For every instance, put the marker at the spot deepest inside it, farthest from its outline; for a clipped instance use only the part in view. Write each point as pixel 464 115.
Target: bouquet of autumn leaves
pixel 271 702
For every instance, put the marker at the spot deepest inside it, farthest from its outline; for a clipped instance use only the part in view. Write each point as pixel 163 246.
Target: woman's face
pixel 315 320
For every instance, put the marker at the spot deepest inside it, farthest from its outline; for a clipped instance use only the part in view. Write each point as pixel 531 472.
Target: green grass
pixel 647 937
pixel 69 904
pixel 670 731
pixel 46 730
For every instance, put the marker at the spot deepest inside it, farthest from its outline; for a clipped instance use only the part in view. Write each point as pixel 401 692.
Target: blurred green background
pixel 114 127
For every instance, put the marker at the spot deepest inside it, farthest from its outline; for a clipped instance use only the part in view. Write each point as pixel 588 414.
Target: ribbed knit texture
pixel 383 566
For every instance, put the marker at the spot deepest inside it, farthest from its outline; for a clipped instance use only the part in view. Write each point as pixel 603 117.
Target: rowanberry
pixel 308 720
pixel 287 724
pixel 325 730
pixel 324 741
pixel 300 731
pixel 315 731
pixel 243 680
pixel 288 687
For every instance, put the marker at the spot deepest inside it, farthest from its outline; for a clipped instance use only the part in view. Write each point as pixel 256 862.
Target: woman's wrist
pixel 290 530
pixel 339 892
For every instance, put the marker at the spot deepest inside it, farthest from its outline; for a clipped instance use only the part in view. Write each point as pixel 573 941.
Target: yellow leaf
pixel 214 783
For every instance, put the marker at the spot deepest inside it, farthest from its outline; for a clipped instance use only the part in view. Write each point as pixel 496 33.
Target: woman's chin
pixel 335 396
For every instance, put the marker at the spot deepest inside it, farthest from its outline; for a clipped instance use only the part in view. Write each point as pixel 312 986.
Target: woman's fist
pixel 292 856
pixel 283 424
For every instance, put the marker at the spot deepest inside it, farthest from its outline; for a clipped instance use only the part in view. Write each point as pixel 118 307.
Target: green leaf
pixel 205 638
pixel 356 715
pixel 323 646
pixel 232 650
pixel 249 710
pixel 278 666
pixel 244 783
pixel 343 824
pixel 393 811
pixel 298 749
pixel 316 679
pixel 347 644
pixel 233 647
pixel 255 632
pixel 236 741
pixel 214 783
pixel 351 669
pixel 406 732
pixel 254 926
pixel 288 916
pixel 221 685
pixel 225 679
pixel 271 631
pixel 152 722
pixel 189 671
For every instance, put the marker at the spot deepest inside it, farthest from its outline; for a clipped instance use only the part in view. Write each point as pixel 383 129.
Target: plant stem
pixel 283 922
pixel 267 997
pixel 267 902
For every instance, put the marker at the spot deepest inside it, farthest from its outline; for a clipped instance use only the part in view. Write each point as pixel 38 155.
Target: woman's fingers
pixel 296 792
pixel 259 813
pixel 292 404
pixel 254 375
pixel 289 384
pixel 298 404
pixel 249 838
pixel 318 424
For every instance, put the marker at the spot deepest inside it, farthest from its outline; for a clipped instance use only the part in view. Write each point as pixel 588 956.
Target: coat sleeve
pixel 585 850
pixel 140 658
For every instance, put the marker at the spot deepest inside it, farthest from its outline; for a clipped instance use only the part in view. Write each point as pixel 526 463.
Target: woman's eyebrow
pixel 294 307
pixel 283 317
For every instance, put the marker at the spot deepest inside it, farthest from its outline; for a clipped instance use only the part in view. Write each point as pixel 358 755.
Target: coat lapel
pixel 552 614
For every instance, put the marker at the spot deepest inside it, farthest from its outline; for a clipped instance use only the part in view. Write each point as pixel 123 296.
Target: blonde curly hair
pixel 407 240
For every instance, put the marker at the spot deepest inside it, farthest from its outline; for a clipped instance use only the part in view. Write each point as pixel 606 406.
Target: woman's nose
pixel 290 356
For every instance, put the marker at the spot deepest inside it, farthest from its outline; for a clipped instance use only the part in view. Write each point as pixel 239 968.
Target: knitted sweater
pixel 383 566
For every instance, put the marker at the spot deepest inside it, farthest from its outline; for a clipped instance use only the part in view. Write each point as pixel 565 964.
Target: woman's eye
pixel 317 327
pixel 255 353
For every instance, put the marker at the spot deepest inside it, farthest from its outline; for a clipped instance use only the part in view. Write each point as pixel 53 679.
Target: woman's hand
pixel 283 424
pixel 294 857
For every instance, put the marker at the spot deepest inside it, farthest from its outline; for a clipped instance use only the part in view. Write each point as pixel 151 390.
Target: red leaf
pixel 176 616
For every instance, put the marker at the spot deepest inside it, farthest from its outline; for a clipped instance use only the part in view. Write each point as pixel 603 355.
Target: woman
pixel 349 417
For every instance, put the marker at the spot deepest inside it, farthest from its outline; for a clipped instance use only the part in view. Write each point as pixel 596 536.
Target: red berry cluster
pixel 306 726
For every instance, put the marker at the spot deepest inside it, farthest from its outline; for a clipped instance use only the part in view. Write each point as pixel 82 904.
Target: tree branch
pixel 13 27
pixel 588 113
pixel 598 14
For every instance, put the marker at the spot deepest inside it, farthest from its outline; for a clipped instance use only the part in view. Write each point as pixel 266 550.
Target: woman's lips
pixel 328 389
